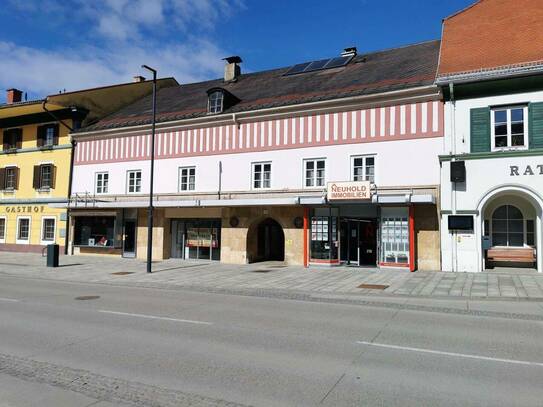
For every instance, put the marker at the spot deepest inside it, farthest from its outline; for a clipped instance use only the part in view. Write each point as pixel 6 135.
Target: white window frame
pixel 42 240
pixel 253 168
pixel 215 109
pixel 102 173
pixel 179 183
pixel 23 241
pixel 3 237
pixel 128 181
pixel 364 157
pixel 304 171
pixel 492 128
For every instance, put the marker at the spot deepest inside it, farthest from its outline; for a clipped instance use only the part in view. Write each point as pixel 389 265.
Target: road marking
pixel 9 299
pixel 128 314
pixel 460 355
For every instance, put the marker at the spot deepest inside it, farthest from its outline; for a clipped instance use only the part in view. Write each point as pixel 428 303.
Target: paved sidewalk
pixel 212 276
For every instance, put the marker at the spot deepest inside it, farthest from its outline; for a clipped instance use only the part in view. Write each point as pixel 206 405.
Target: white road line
pixel 460 355
pixel 128 314
pixel 9 299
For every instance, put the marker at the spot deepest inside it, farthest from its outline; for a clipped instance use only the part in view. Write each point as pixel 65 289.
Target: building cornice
pixel 491 155
pixel 484 74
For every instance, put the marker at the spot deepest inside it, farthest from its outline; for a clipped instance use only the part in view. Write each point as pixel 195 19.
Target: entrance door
pixel 358 242
pixel 129 241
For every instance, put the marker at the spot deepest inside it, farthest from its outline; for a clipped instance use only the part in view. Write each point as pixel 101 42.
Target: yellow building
pixel 36 159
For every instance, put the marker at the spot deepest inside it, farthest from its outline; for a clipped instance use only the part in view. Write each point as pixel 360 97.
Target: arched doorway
pixel 265 241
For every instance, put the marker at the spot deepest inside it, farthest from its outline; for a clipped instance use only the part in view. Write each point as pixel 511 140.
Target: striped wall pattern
pixel 409 121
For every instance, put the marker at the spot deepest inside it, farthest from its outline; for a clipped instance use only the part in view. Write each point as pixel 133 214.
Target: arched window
pixel 215 102
pixel 507 226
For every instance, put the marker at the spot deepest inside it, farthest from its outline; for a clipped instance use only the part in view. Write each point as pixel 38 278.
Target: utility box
pixel 52 255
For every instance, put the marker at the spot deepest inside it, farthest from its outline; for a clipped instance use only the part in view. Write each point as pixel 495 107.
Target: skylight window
pixel 320 65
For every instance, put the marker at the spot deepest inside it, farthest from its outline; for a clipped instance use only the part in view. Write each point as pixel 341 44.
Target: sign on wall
pixel 349 190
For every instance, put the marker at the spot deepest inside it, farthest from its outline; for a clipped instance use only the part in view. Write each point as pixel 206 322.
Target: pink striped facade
pixel 399 122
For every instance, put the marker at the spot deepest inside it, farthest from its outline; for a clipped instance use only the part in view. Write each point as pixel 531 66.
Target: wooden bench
pixel 516 255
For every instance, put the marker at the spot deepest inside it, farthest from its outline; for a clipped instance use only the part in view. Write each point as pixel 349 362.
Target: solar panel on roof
pixel 319 65
pixel 337 62
pixel 297 68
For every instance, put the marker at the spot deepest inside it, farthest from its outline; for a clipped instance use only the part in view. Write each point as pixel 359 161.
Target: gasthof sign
pixel 348 190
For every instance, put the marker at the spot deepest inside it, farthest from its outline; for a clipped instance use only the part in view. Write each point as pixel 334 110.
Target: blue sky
pixel 49 45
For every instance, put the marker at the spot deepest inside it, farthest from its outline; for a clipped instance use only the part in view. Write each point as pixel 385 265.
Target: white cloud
pixel 115 38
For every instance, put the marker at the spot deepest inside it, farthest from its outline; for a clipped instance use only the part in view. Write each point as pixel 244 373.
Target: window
pixel 50 133
pixel 314 172
pixel 12 139
pixel 187 178
pixel 44 177
pixel 215 102
pixel 23 230
pixel 94 231
pixel 48 230
pixel 102 181
pixel 10 178
pixel 134 182
pixel 2 230
pixel 508 227
pixel 394 236
pixel 363 168
pixel 508 127
pixel 261 175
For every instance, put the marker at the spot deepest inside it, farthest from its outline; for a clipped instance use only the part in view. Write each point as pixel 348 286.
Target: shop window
pixel 363 168
pixel 44 176
pixel 196 239
pixel 261 175
pixel 23 230
pixel 187 179
pixel 395 236
pixel 314 172
pixel 508 227
pixel 102 182
pixel 509 127
pixel 13 139
pixel 134 182
pixel 9 178
pixel 324 235
pixel 96 231
pixel 48 230
pixel 2 230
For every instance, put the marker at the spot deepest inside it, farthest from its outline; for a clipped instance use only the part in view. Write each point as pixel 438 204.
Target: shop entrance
pixel 129 241
pixel 358 241
pixel 266 241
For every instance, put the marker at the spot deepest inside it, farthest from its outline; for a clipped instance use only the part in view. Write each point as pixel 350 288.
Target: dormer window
pixel 215 101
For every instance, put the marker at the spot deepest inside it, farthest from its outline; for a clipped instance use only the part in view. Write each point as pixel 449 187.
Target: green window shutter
pixel 535 125
pixel 480 129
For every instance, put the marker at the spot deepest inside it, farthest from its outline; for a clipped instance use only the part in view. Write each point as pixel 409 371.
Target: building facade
pixel 322 163
pixel 36 159
pixel 491 169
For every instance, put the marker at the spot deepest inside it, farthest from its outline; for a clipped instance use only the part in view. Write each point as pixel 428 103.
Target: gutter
pixel 422 92
pixel 489 74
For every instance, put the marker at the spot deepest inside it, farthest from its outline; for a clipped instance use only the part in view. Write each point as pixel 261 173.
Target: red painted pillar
pixel 306 237
pixel 411 238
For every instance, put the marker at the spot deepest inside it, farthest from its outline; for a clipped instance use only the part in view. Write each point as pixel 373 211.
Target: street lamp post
pixel 150 210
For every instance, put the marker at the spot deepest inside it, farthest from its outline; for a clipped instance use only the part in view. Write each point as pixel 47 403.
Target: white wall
pixel 398 163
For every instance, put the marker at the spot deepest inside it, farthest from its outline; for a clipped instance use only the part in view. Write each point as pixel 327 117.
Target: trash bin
pixel 52 255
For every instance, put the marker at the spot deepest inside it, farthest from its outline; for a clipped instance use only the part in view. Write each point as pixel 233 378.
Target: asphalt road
pixel 156 347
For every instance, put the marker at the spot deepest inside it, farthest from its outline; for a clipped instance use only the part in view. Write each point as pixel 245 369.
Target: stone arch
pixel 265 241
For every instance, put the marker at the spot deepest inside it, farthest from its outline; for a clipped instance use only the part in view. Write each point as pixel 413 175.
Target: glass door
pixel 129 241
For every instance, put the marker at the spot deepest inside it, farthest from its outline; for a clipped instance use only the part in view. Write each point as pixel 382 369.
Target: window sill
pixel 507 149
pixel 43 190
pixel 11 150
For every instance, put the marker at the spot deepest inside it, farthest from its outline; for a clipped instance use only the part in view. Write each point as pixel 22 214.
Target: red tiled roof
pixel 491 34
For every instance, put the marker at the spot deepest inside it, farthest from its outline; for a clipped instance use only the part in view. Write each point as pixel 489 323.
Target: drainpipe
pixel 454 248
pixel 70 175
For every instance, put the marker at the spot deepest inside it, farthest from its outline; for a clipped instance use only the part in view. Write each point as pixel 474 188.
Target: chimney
pixel 13 96
pixel 138 78
pixel 349 52
pixel 232 69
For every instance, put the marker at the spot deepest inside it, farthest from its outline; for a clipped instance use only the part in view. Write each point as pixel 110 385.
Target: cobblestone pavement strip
pixel 102 387
pixel 517 284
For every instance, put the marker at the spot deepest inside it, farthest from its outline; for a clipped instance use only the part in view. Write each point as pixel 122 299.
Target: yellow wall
pixel 26 201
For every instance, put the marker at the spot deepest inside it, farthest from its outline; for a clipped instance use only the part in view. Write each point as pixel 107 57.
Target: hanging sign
pixel 349 190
